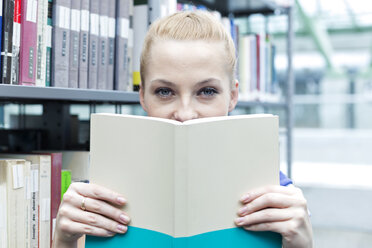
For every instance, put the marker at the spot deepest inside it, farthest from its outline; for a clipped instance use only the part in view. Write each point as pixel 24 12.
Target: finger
pixel 95 220
pixel 105 209
pixel 263 216
pixel 82 228
pixel 98 192
pixel 268 200
pixel 255 193
pixel 268 226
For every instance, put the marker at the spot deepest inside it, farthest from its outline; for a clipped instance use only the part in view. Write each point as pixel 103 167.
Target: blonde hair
pixel 187 25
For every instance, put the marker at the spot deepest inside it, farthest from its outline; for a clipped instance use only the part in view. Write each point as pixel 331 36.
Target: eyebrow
pixel 170 84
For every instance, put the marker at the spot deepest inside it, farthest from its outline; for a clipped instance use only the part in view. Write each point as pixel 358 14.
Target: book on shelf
pixel 1 24
pixel 102 46
pixel 140 26
pixel 16 42
pixel 61 43
pixel 42 22
pixel 84 44
pixel 74 44
pixel 178 168
pixel 7 41
pixel 48 44
pixel 111 44
pixel 93 43
pixel 122 45
pixel 13 203
pixel 28 49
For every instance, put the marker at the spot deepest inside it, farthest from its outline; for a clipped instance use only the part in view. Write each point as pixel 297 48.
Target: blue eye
pixel 164 92
pixel 208 91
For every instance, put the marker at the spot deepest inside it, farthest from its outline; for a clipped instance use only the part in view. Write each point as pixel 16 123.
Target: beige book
pixel 184 179
pixel 44 187
pixel 12 203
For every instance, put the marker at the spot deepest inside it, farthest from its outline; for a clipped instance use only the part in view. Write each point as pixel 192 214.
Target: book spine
pixel 3 206
pixel 111 44
pixel 34 183
pixel 74 44
pixel 103 46
pixel 48 43
pixel 61 43
pixel 140 25
pixel 55 190
pixel 16 42
pixel 16 203
pixel 44 200
pixel 28 49
pixel 258 64
pixel 130 47
pixel 7 40
pixel 93 44
pixel 65 181
pixel 122 35
pixel 42 19
pixel 84 44
pixel 1 24
pixel 27 206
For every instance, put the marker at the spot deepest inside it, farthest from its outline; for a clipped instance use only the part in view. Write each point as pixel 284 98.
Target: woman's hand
pixel 278 209
pixel 89 209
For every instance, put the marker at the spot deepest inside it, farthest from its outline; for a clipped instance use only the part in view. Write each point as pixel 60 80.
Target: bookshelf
pixel 58 99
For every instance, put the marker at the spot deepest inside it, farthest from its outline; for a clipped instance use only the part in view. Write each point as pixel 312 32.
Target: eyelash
pixel 160 92
pixel 203 90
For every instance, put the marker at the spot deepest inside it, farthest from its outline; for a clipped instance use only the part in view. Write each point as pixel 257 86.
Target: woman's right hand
pixel 89 209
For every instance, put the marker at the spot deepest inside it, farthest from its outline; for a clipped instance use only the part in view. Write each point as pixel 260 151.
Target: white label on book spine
pixel 85 20
pixel 103 26
pixel 124 28
pixel 54 221
pixel 34 181
pixel 94 24
pixel 18 176
pixel 48 40
pixel 130 38
pixel 75 20
pixel 16 34
pixel 111 27
pixel 31 13
pixel 63 17
pixel 45 209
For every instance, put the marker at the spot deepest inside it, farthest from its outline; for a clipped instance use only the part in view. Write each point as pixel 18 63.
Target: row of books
pixel 256 68
pixel 97 44
pixel 31 189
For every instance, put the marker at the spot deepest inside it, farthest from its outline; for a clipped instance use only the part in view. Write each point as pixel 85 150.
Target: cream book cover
pixel 183 181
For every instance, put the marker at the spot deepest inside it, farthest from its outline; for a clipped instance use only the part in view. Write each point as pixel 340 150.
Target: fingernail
pixel 125 219
pixel 121 200
pixel 243 210
pixel 244 198
pixel 110 233
pixel 122 228
pixel 239 221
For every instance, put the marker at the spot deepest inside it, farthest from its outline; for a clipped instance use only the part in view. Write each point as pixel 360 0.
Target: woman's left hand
pixel 278 209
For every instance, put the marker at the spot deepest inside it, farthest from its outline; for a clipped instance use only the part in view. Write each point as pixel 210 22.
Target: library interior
pixel 309 62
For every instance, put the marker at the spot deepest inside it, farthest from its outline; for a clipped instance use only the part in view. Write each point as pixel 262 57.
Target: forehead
pixel 181 57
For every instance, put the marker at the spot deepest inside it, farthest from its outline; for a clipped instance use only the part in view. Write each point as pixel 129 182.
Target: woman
pixel 187 72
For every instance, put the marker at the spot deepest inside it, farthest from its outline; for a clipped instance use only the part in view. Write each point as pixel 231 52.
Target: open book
pixel 183 181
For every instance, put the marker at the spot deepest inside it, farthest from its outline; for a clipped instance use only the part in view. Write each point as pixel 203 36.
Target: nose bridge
pixel 185 109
